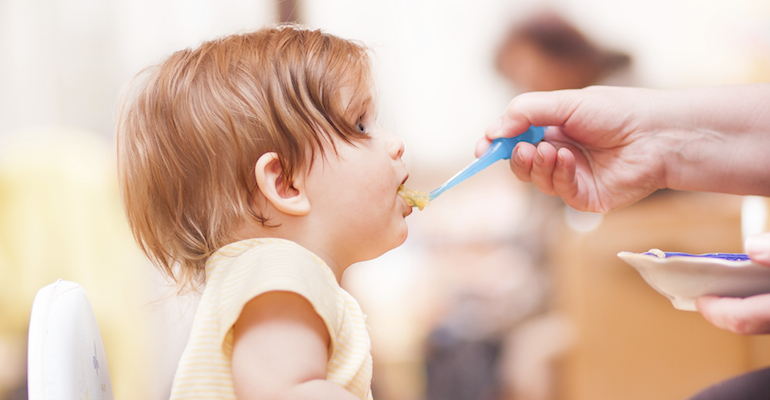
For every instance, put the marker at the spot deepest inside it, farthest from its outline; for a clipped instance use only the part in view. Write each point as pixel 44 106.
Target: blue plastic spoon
pixel 500 149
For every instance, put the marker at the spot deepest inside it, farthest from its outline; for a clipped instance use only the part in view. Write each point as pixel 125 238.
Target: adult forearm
pixel 718 139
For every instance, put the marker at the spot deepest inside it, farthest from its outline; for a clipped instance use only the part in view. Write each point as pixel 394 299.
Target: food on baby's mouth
pixel 414 198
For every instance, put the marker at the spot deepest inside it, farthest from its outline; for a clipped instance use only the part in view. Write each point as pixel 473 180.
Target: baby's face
pixel 353 192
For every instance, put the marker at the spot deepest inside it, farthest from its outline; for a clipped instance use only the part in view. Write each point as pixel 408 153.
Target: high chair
pixel 65 354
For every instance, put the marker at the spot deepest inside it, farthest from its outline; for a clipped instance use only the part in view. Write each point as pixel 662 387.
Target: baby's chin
pixel 397 242
pixel 402 237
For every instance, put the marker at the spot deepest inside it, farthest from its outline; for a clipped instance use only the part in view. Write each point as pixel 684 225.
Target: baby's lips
pixel 409 211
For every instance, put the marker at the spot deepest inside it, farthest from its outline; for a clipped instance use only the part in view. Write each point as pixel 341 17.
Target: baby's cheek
pixel 378 185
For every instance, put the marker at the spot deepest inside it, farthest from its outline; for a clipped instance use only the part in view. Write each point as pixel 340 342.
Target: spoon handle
pixel 500 149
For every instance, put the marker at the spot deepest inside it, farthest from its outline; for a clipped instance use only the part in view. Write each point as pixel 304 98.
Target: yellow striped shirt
pixel 240 271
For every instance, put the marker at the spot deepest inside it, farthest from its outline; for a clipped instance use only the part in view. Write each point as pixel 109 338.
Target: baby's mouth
pixel 414 198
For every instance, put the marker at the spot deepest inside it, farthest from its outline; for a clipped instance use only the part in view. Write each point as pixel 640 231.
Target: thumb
pixel 758 248
pixel 535 108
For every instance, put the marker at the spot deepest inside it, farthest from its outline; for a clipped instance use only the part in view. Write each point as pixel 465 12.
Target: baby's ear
pixel 287 196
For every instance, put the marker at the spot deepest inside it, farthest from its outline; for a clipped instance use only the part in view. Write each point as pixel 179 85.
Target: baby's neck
pixel 299 236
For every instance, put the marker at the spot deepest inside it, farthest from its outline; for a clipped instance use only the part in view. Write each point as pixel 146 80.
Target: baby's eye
pixel 360 126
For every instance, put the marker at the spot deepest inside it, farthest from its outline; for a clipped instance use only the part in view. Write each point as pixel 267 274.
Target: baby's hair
pixel 191 129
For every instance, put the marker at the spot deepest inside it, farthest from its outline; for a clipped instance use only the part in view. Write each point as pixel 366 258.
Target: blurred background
pixel 499 293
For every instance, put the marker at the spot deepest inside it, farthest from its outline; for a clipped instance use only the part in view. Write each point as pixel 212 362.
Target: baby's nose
pixel 397 147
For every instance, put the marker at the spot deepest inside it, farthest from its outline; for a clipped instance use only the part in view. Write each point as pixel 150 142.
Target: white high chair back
pixel 65 354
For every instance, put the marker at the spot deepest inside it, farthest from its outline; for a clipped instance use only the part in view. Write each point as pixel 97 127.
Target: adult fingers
pixel 482 145
pixel 749 316
pixel 535 108
pixel 521 161
pixel 543 164
pixel 561 180
pixel 758 248
pixel 565 182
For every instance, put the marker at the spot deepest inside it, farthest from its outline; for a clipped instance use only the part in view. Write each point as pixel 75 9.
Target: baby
pixel 253 166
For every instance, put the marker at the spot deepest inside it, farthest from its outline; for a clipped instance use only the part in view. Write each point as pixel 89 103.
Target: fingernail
pixel 540 156
pixel 559 160
pixel 518 158
pixel 758 247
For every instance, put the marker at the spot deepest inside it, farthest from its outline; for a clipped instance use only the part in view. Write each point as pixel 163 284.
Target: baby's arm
pixel 280 351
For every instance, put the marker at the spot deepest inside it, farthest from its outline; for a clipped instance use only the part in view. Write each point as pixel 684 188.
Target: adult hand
pixel 607 147
pixel 747 316
pixel 598 154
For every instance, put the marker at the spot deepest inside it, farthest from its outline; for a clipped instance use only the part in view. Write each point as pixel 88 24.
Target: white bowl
pixel 683 277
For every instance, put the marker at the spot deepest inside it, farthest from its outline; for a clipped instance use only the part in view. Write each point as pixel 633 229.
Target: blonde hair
pixel 192 128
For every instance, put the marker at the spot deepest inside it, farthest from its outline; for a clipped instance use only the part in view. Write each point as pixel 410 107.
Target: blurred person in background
pixel 607 148
pixel 546 52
